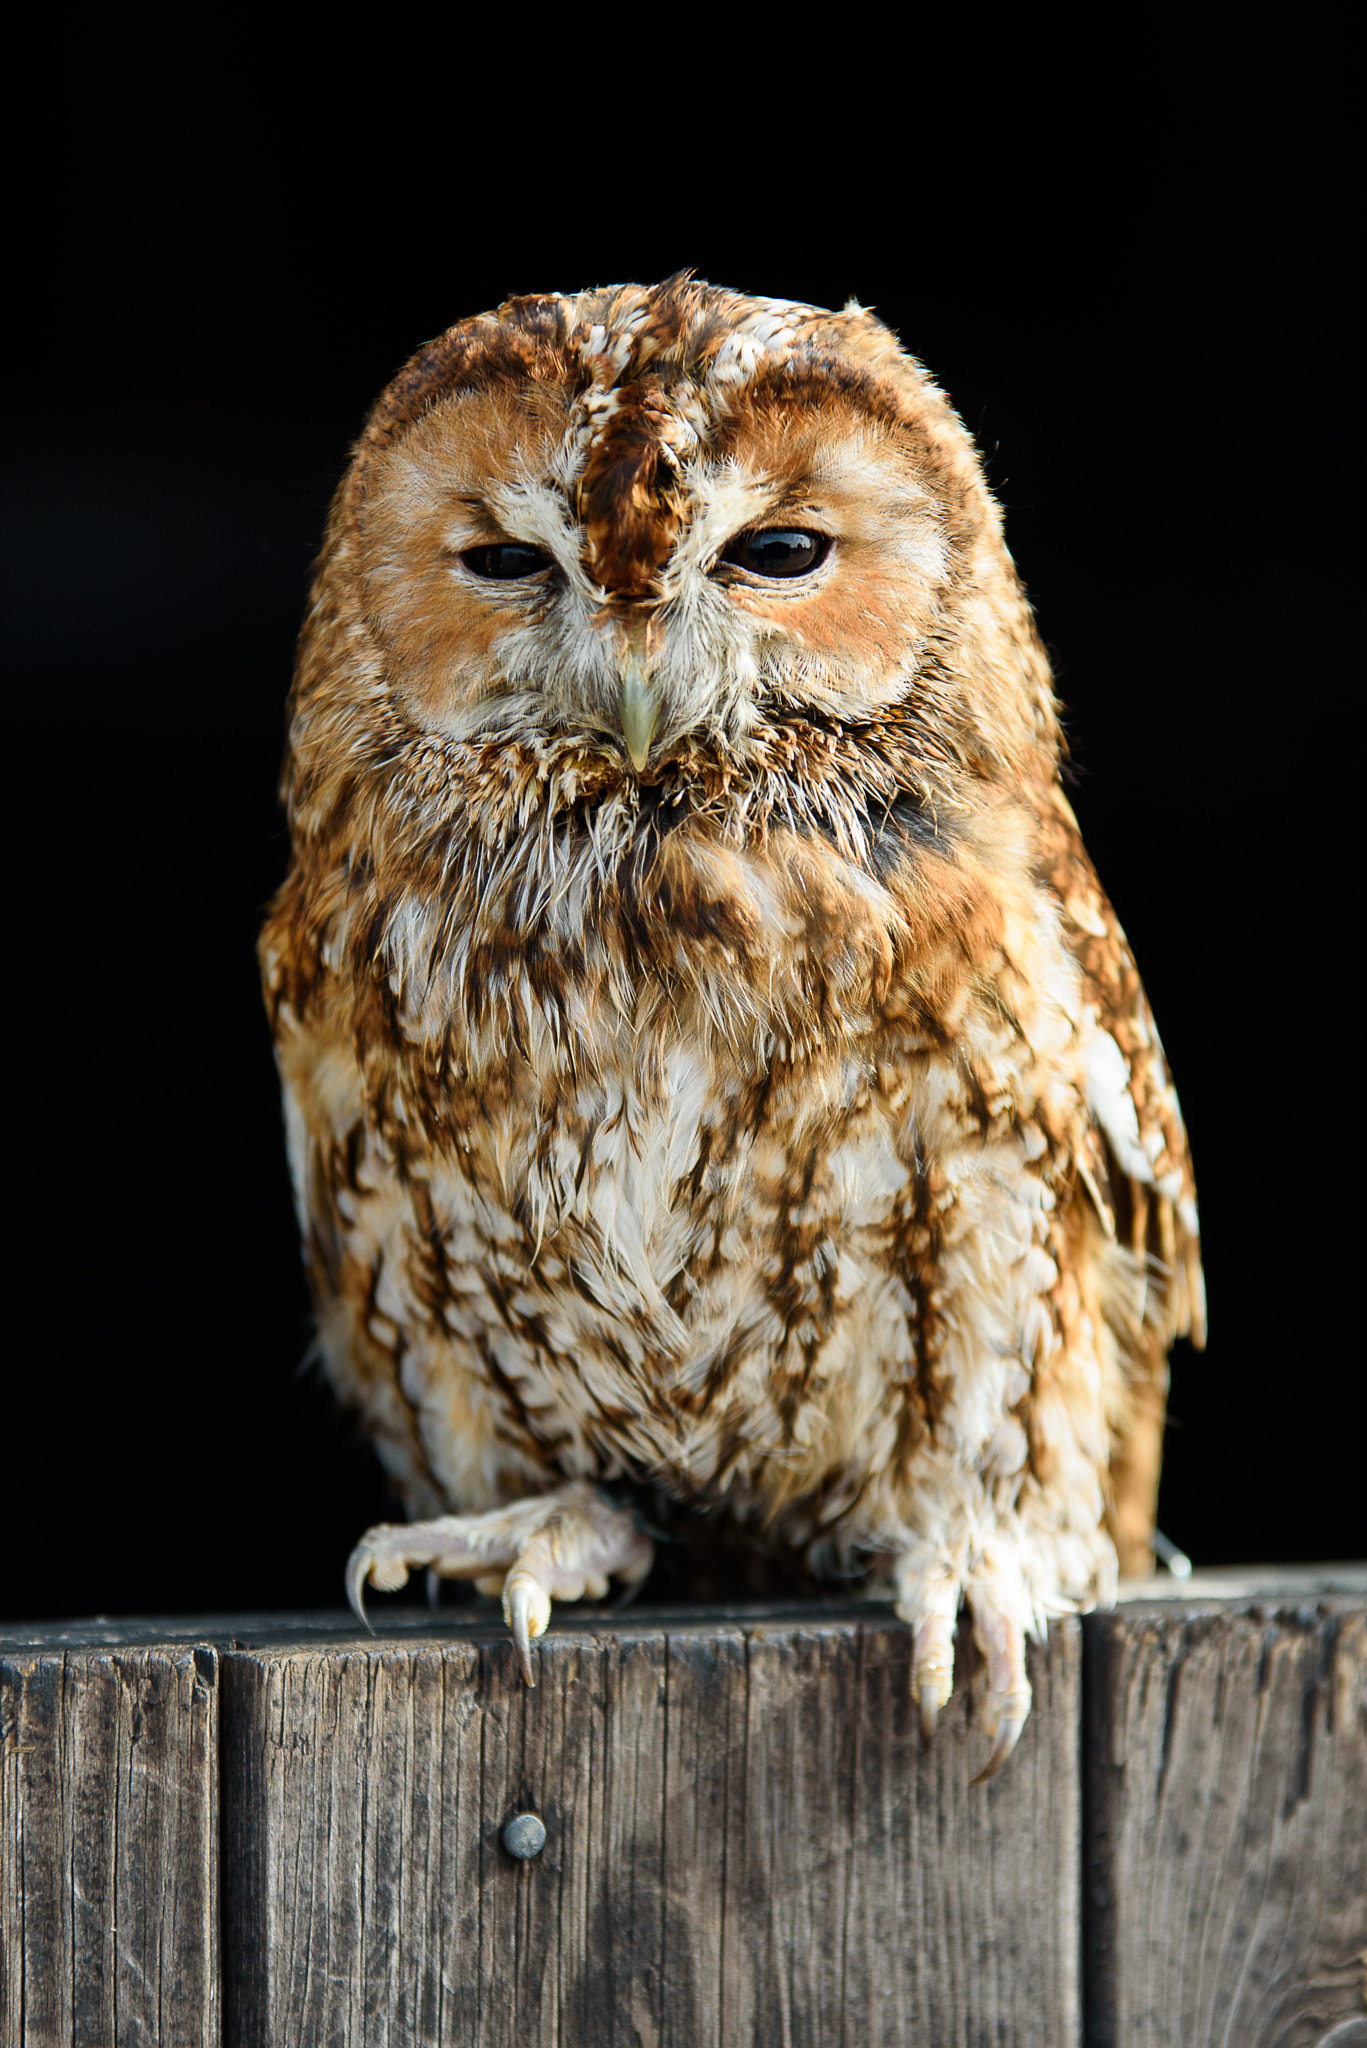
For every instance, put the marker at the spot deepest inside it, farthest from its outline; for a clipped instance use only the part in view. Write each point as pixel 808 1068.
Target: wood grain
pixel 108 1842
pixel 745 1844
pixel 1227 1825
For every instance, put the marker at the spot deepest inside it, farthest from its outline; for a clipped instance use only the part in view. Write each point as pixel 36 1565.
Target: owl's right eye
pixel 505 561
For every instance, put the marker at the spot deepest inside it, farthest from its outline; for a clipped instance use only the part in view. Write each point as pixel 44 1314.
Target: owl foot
pixel 930 1603
pixel 561 1545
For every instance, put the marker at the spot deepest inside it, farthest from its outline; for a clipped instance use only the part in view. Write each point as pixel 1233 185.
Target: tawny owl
pixel 711 1065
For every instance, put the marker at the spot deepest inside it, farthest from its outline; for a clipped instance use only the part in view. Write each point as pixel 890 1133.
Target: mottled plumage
pixel 710 1061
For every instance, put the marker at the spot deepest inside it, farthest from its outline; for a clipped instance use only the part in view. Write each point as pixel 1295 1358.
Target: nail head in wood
pixel 525 1836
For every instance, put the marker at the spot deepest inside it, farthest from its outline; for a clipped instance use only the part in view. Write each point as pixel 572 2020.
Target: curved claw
pixel 527 1609
pixel 357 1572
pixel 433 1588
pixel 520 1621
pixel 1008 1735
pixel 928 1699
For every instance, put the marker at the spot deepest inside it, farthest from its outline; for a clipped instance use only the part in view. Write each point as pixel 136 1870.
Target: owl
pixel 713 1073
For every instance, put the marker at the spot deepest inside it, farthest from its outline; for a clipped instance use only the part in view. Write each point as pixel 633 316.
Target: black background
pixel 1130 282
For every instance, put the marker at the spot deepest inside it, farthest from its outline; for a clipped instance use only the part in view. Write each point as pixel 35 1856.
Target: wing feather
pixel 1138 1169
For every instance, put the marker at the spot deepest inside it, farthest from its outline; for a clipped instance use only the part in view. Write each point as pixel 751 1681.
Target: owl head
pixel 654 519
pixel 664 570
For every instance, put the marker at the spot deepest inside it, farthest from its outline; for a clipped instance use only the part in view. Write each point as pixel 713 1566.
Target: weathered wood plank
pixel 745 1843
pixel 108 1847
pixel 352 1844
pixel 704 1763
pixel 965 1899
pixel 1226 1825
pixel 571 1940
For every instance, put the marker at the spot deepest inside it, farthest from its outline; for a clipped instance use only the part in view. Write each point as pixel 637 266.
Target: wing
pixel 349 1204
pixel 1138 1170
pixel 1136 1167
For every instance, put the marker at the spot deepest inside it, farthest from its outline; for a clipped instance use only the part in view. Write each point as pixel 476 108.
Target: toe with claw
pixel 1006 1705
pixel 930 1601
pixel 527 1611
pixel 380 1559
pixel 933 1668
pixel 928 1596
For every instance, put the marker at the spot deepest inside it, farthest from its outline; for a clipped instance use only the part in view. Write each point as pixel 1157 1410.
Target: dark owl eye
pixel 778 551
pixel 505 561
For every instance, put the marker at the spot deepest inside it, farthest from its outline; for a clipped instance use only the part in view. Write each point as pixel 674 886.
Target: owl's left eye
pixel 778 551
pixel 505 561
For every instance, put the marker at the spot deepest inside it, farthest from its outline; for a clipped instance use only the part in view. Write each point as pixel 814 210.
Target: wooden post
pixel 745 1841
pixel 108 1846
pixel 1227 1824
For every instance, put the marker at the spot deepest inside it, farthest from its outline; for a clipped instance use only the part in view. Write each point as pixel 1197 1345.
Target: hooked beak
pixel 640 704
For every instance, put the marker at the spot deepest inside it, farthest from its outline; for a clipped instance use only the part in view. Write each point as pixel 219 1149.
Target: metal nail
pixel 525 1836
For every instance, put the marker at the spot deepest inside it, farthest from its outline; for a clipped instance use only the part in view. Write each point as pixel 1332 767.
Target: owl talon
pixel 1007 1704
pixel 527 1611
pixel 357 1572
pixel 1007 1736
pixel 928 1596
pixel 379 1559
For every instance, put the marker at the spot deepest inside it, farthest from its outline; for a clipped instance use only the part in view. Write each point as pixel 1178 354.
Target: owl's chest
pixel 709 1204
pixel 713 1274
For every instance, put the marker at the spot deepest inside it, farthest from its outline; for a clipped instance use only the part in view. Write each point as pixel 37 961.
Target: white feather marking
pixel 1113 1106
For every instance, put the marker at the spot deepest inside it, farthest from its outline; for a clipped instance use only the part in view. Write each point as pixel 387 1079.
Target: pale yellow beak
pixel 640 705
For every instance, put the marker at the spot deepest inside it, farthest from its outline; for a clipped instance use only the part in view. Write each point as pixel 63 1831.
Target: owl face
pixel 670 518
